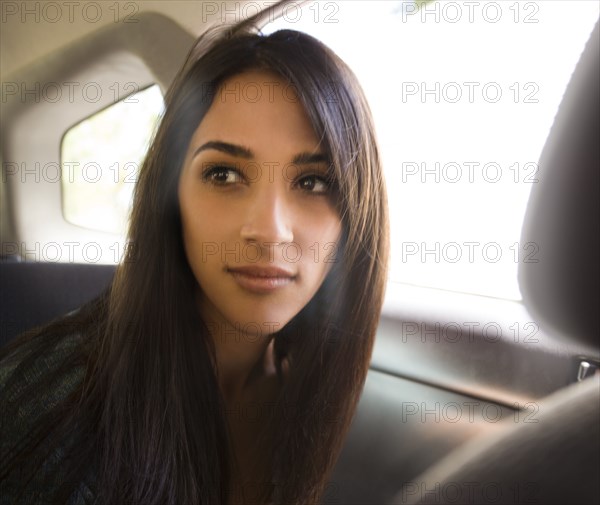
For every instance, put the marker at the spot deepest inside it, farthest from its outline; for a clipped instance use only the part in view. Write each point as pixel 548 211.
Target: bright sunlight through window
pixel 100 159
pixel 463 95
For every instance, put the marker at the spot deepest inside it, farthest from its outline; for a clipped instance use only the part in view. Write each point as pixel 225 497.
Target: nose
pixel 268 219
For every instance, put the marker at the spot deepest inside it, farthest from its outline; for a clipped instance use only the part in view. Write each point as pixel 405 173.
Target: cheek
pixel 202 236
pixel 322 227
pixel 201 220
pixel 196 233
pixel 319 240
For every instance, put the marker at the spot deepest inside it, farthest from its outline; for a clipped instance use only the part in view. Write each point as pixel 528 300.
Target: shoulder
pixel 39 364
pixel 36 375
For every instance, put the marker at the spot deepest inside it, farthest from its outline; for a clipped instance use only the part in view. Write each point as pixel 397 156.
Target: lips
pixel 259 279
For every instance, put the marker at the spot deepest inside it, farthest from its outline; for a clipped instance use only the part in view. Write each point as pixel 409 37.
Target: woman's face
pixel 260 225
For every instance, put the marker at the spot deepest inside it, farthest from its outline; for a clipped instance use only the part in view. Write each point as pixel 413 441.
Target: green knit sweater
pixel 21 407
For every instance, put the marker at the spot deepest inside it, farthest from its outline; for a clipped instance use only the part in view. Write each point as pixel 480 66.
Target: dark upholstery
pixel 35 293
pixel 549 457
pixel 562 290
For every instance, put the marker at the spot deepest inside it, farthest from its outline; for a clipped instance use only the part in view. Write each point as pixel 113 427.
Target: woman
pixel 226 360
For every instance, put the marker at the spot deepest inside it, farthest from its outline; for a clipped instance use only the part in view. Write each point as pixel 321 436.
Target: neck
pixel 242 358
pixel 241 361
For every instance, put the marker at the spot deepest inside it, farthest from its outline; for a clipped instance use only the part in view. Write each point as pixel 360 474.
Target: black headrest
pixel 561 290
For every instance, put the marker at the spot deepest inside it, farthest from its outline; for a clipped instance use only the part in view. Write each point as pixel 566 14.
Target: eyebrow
pixel 243 152
pixel 225 147
pixel 308 158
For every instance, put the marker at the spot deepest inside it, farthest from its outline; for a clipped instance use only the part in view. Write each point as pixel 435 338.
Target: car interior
pixel 473 395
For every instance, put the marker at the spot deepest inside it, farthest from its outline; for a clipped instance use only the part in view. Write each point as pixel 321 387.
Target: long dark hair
pixel 148 410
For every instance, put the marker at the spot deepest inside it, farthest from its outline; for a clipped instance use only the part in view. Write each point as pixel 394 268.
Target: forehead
pixel 259 110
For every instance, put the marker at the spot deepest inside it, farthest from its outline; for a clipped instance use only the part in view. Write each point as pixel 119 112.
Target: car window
pixel 463 95
pixel 100 159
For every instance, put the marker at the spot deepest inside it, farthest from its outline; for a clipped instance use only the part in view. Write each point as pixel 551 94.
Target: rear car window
pixel 463 95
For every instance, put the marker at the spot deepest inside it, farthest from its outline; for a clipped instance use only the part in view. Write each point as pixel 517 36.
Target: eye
pixel 314 184
pixel 220 175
